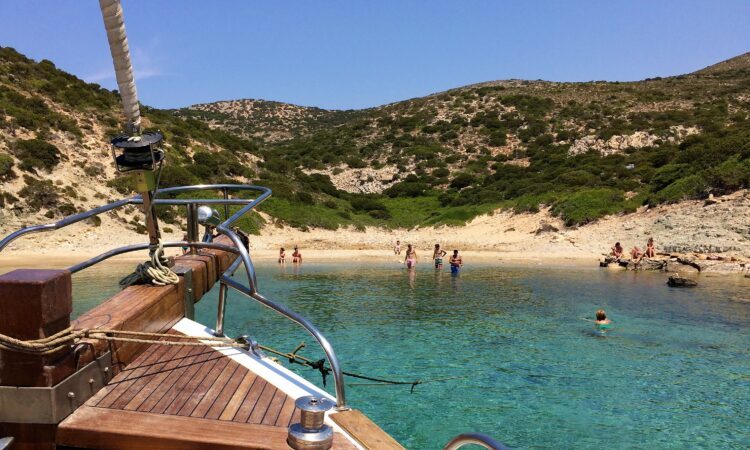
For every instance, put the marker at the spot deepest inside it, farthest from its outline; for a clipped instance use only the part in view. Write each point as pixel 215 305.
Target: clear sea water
pixel 674 373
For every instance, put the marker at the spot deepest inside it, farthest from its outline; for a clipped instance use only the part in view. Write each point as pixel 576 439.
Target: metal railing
pixel 474 439
pixel 224 228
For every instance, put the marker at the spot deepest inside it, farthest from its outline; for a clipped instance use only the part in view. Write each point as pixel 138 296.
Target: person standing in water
pixel 437 255
pixel 411 257
pixel 456 262
pixel 296 256
pixel 282 256
pixel 397 248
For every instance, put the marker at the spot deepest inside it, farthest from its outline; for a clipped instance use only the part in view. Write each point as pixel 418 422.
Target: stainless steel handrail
pixel 476 439
pixel 225 229
pixel 135 247
pixel 5 443
pixel 307 325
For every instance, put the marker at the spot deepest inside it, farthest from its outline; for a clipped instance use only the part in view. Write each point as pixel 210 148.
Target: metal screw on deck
pixel 311 433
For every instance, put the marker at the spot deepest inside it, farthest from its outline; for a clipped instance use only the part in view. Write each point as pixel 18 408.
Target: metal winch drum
pixel 311 433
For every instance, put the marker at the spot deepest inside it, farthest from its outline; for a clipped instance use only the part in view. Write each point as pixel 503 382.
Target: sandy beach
pixel 702 229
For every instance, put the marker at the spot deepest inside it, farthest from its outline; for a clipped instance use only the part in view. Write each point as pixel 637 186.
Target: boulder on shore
pixel 647 264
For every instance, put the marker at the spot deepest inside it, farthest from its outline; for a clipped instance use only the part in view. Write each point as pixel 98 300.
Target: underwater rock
pixel 678 281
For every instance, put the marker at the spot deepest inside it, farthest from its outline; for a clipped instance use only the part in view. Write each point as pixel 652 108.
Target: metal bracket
pixel 53 404
pixel 189 297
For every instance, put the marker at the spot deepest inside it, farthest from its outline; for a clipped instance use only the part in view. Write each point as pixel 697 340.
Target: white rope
pixel 154 271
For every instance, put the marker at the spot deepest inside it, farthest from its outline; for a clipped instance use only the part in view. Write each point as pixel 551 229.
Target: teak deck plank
pixel 238 396
pixel 204 387
pixel 208 400
pixel 248 404
pixel 184 397
pixel 364 430
pixel 113 429
pixel 285 415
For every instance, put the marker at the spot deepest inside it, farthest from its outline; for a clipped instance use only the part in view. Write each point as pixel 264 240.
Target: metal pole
pixel 226 207
pixel 222 309
pixel 192 226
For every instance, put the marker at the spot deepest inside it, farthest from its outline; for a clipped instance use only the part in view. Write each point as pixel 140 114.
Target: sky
pixel 349 54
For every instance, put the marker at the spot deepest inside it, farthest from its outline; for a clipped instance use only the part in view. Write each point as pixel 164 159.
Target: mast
pixel 114 23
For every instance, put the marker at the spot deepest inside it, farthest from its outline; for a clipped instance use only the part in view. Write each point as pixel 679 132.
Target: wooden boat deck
pixel 184 397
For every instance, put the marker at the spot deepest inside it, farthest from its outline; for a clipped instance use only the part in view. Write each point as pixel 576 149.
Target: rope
pixel 60 340
pixel 319 365
pixel 154 272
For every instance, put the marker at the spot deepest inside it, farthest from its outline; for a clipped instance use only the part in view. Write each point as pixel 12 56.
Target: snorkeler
pixel 456 262
pixel 438 255
pixel 296 256
pixel 411 257
pixel 602 323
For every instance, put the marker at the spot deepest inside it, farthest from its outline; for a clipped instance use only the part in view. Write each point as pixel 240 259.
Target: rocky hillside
pixel 586 149
pixel 578 150
pixel 55 158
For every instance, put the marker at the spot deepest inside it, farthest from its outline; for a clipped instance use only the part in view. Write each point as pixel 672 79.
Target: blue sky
pixel 356 53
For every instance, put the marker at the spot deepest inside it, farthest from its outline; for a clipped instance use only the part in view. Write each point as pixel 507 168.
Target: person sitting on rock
pixel 636 254
pixel 650 251
pixel 617 251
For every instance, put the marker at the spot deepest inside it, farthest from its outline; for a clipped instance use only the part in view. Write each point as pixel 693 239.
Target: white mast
pixel 114 23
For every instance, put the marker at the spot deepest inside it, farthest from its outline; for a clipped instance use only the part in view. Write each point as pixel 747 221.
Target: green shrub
pixel 124 184
pixel 39 193
pixel 588 205
pixel 366 204
pixel 6 167
pixel 36 154
pixel 691 187
pixel 463 180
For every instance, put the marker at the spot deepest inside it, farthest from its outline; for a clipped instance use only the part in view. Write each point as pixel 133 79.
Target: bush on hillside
pixel 39 194
pixel 463 180
pixel 36 154
pixel 588 205
pixel 6 167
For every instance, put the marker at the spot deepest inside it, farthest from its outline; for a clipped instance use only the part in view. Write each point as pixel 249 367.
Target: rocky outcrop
pixel 618 143
pixel 363 181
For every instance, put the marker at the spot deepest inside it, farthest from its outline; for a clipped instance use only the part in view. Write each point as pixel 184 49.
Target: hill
pixel 585 149
pixel 581 150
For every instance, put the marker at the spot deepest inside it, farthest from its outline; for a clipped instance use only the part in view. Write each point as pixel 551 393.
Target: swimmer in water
pixel 602 323
pixel 282 256
pixel 296 256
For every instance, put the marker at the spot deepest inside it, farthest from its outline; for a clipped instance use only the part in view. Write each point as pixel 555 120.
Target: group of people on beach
pixel 296 256
pixel 636 254
pixel 410 259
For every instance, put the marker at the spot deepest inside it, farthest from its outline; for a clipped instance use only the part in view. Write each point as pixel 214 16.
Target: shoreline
pixel 709 233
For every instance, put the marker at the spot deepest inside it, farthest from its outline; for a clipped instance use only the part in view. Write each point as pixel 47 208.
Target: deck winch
pixel 311 433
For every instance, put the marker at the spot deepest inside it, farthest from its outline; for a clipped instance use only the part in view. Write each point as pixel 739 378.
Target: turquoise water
pixel 673 373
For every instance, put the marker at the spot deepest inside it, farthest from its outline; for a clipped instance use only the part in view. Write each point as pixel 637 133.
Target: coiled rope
pixel 154 271
pixel 65 338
